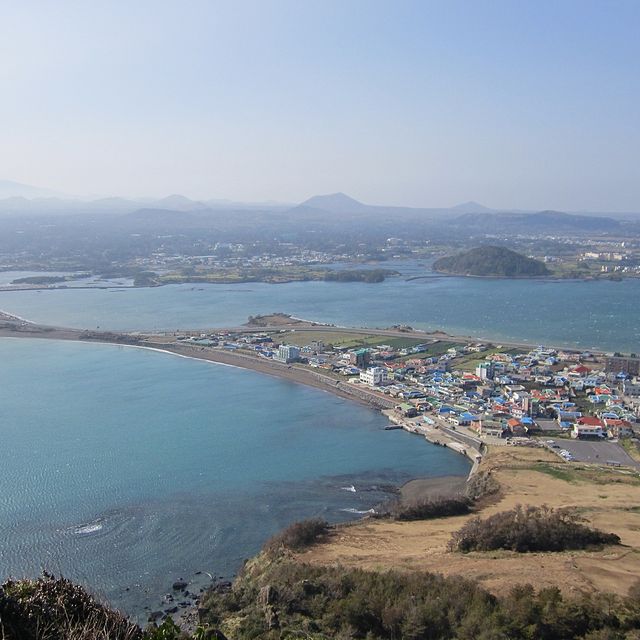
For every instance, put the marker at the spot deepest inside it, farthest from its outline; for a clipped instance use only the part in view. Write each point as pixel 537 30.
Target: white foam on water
pixel 89 528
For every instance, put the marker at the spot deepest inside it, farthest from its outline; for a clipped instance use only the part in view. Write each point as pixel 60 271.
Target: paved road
pixel 598 452
pixel 469 441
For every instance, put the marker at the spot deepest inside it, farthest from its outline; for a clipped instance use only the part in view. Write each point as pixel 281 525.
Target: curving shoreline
pixel 292 373
pixel 296 375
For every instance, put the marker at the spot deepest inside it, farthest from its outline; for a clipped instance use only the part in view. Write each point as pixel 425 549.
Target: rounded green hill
pixel 491 261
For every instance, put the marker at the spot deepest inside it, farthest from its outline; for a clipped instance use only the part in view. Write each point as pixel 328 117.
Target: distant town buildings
pixel 588 428
pixel 359 358
pixel 485 370
pixel 631 387
pixel 623 364
pixel 374 376
pixel 287 353
pixel 507 393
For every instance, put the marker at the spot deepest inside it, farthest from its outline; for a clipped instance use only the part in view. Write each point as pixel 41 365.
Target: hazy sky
pixel 514 104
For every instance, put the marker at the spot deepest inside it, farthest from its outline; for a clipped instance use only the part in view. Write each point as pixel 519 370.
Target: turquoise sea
pixel 128 468
pixel 582 314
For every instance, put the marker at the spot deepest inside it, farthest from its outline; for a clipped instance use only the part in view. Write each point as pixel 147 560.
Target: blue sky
pixel 514 104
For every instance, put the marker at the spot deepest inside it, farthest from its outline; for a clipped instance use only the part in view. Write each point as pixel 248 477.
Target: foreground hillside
pixel 279 597
pixel 403 578
pixel 491 261
pixel 606 497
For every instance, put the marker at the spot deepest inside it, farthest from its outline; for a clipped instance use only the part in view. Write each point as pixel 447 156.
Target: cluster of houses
pixel 515 394
pixel 508 393
pixel 523 394
pixel 226 255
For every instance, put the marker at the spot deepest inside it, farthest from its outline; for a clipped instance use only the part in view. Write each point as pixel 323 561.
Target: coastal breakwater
pixel 462 444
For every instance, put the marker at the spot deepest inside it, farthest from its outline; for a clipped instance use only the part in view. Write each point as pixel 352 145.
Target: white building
pixel 374 376
pixel 587 431
pixel 485 370
pixel 287 353
pixel 631 387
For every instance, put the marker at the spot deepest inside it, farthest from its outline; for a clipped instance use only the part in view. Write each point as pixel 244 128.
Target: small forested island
pixel 359 275
pixel 491 261
pixel 280 275
pixel 40 280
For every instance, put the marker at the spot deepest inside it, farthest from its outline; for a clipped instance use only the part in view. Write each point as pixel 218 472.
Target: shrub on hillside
pixel 529 529
pixel 297 536
pixel 481 485
pixel 431 508
pixel 52 608
pixel 287 599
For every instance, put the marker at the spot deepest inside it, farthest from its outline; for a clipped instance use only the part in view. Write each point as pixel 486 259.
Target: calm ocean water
pixel 124 467
pixel 570 313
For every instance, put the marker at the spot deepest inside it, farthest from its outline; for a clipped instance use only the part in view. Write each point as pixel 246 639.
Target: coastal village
pixel 543 426
pixel 552 428
pixel 465 394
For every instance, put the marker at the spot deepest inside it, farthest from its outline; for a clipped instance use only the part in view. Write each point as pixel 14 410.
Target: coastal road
pixel 461 437
pixel 457 435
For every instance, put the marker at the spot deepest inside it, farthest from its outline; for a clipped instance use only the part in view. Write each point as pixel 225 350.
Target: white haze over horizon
pixel 521 105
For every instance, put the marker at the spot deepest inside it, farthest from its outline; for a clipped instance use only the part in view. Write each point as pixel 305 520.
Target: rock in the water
pixel 179 585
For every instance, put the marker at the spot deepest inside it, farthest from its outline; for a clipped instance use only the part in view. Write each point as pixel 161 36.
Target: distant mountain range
pixel 539 222
pixel 21 198
pixel 340 203
pixel 17 198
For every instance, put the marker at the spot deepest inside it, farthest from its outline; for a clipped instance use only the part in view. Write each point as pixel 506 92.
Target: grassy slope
pixel 606 497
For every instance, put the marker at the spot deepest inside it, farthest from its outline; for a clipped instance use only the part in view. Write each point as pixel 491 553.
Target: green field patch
pixel 568 475
pixel 470 361
pixel 344 340
pixel 632 447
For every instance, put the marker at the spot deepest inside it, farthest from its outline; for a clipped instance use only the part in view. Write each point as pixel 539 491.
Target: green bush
pixel 359 275
pixel 481 485
pixel 297 536
pixel 529 529
pixel 336 602
pixel 52 608
pixel 431 508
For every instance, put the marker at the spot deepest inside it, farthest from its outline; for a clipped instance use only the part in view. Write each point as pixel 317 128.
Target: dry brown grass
pixel 607 498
